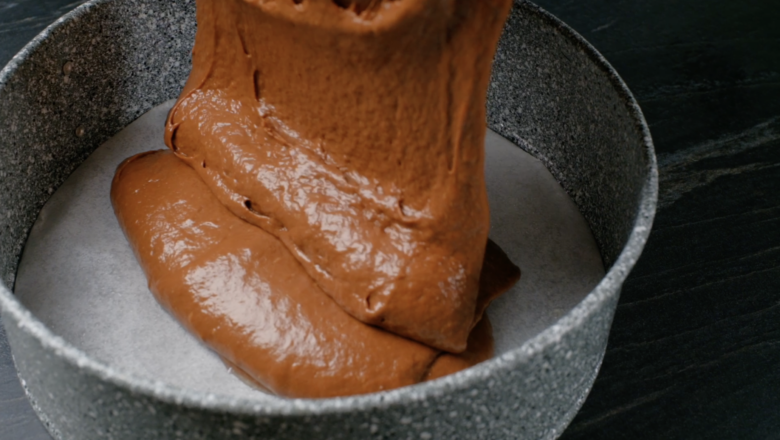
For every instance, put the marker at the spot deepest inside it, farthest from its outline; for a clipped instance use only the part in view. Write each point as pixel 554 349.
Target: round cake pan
pixel 102 66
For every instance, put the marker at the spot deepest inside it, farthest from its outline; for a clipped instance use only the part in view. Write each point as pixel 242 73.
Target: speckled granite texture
pixel 556 97
pixel 102 66
pixel 95 71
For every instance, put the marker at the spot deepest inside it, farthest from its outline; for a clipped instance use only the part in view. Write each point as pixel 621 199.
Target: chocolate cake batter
pixel 353 132
pixel 238 289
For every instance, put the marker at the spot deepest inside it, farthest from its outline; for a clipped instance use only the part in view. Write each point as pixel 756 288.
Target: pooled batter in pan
pixel 238 289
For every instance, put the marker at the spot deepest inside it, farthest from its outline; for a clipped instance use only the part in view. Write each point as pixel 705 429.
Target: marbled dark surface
pixel 695 347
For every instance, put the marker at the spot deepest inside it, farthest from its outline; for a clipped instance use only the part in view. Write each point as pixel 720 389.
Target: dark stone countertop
pixel 694 351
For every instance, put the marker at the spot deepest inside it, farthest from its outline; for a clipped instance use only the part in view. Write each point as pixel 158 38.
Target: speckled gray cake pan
pixel 100 67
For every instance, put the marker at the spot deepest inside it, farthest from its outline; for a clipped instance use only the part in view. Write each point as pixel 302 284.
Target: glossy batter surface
pixel 239 290
pixel 353 131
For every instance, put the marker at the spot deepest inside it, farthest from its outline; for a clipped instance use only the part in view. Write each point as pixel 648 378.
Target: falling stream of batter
pixel 322 223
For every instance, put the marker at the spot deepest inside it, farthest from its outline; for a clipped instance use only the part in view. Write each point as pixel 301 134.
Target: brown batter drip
pixel 240 291
pixel 353 131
